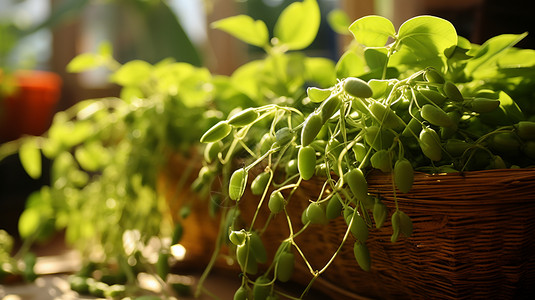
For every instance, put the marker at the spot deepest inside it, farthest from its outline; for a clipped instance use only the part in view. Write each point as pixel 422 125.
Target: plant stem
pixel 215 253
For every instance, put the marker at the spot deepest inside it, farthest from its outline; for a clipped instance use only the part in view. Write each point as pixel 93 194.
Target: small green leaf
pixel 70 133
pixel 30 158
pixel 461 50
pixel 406 56
pixel 318 95
pixel 320 70
pixel 92 155
pixel 298 24
pixel 83 62
pixel 29 222
pixel 130 93
pixel 195 89
pixel 339 21
pixel 133 73
pixel 507 113
pixel 350 65
pixel 372 31
pixel 376 58
pixel 61 166
pixel 85 159
pixel 428 36
pixel 379 87
pixel 511 108
pixel 245 28
pixel 246 78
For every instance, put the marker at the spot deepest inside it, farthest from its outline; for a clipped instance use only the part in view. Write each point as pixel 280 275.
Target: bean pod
pixel 237 184
pixel 306 162
pixel 216 133
pixel 311 128
pixel 357 87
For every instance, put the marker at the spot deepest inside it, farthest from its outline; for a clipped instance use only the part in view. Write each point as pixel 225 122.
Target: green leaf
pixel 350 64
pixel 245 78
pixel 491 50
pixel 411 59
pixel 30 158
pixel 70 133
pixel 298 24
pixel 507 113
pixel 29 222
pixel 372 31
pixel 320 70
pixel 85 160
pixel 339 21
pixel 379 87
pixel 513 112
pixel 245 28
pixel 133 73
pixel 92 155
pixel 317 95
pixel 461 50
pixel 195 89
pixel 428 36
pixel 517 58
pixel 83 62
pixel 284 74
pixel 376 58
pixel 130 93
pixel 189 82
pixel 61 166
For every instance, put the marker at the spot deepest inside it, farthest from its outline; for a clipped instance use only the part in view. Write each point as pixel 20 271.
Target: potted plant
pixel 409 177
pixel 28 97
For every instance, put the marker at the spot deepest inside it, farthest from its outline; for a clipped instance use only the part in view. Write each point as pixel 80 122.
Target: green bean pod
pixel 285 266
pixel 357 183
pixel 357 87
pixel 403 175
pixel 311 128
pixel 362 255
pixel 244 117
pixel 237 184
pixel 436 116
pixel 306 162
pixel 217 132
pixel 430 144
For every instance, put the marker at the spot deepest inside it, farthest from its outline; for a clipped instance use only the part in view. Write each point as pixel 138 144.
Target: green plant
pixel 429 101
pixel 420 99
pixel 108 153
pixel 106 158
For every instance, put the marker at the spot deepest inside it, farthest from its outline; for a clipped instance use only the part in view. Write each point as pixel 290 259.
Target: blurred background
pixel 47 34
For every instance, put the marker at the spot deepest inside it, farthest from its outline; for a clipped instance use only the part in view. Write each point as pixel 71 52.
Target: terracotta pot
pixel 30 109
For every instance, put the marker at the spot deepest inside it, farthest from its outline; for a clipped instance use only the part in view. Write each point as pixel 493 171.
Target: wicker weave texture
pixel 473 238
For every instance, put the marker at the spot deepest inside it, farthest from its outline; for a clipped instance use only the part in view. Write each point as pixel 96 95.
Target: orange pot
pixel 30 109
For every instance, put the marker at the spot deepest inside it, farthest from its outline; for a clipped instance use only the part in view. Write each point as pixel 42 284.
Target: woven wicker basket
pixel 474 237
